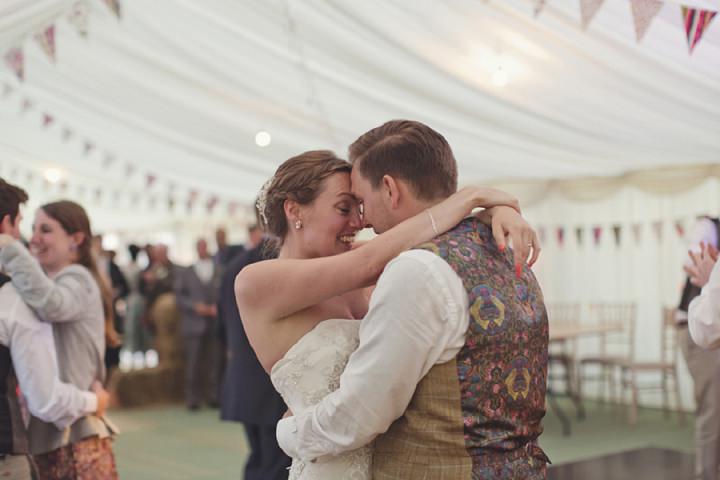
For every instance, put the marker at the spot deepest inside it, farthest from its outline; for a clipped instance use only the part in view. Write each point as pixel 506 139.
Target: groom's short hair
pixel 408 150
pixel 11 197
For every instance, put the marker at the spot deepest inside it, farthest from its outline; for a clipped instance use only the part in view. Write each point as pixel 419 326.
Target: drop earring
pixel 298 224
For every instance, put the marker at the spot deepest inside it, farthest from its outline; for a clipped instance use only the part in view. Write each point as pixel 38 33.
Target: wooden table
pixel 561 333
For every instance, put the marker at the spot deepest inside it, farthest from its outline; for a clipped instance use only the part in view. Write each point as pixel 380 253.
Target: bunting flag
pixel 26 105
pixel 171 203
pixel 15 59
pixel 114 5
pixel 108 160
pixel 46 40
pixel 63 186
pixel 644 11
pixel 78 17
pixel 88 147
pixel 617 232
pixel 588 9
pixel 98 194
pixel 7 90
pixel 680 228
pixel 696 23
pixel 80 191
pixel 129 170
pixel 579 235
pixel 560 232
pixel 539 5
pixel 47 120
pixel 150 180
pixel 597 234
pixel 657 228
pixel 67 134
pixel 211 203
pixel 637 232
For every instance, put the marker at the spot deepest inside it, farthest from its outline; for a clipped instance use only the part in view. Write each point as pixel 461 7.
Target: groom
pixel 449 378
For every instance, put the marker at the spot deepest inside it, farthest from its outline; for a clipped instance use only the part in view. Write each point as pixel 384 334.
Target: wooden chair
pixel 616 348
pixel 666 368
pixel 563 354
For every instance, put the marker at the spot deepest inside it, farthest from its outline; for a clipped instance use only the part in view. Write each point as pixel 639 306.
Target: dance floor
pixel 170 443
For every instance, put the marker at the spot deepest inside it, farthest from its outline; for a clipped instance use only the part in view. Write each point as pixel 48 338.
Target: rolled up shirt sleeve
pixel 417 318
pixel 704 313
pixel 32 348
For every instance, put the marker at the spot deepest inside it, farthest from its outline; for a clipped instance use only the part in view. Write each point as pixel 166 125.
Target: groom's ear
pixel 391 191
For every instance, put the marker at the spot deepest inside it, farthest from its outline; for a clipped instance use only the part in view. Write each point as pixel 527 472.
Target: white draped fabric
pixel 178 88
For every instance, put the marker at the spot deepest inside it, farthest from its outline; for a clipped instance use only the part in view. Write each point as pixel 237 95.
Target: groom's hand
pixel 507 223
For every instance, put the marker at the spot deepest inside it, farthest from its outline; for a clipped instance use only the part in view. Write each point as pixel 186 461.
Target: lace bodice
pixel 307 373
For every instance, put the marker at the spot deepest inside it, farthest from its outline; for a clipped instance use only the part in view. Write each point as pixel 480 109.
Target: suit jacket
pixel 248 396
pixel 189 290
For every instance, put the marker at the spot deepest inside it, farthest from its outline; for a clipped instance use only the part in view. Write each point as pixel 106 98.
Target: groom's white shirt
pixel 418 318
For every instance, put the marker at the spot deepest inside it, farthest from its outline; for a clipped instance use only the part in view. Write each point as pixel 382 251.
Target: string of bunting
pixel 109 160
pixel 695 20
pixel 619 232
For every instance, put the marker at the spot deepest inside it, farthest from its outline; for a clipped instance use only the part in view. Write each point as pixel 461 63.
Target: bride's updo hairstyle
pixel 299 178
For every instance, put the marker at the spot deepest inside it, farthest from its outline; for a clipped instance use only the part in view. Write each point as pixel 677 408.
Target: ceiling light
pixel 53 175
pixel 262 138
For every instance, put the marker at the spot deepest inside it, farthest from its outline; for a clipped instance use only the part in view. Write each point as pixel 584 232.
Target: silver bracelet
pixel 432 222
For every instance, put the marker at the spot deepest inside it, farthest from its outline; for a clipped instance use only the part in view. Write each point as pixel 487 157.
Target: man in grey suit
pixel 196 292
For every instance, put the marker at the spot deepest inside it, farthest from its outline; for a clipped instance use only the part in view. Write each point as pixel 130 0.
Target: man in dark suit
pixel 196 293
pixel 248 396
pixel 225 253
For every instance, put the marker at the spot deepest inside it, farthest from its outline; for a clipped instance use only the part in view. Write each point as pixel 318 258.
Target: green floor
pixel 171 443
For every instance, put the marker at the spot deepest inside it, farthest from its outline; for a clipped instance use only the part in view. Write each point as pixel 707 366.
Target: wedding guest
pixel 65 289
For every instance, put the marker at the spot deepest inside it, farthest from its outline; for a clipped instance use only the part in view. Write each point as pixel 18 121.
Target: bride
pixel 300 311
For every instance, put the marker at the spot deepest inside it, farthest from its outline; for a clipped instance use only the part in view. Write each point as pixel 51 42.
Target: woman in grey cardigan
pixel 66 289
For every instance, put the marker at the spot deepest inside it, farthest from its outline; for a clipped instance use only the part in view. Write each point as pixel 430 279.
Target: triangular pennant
pixel 657 228
pixel 7 90
pixel 211 203
pixel 150 180
pixel 46 40
pixel 637 232
pixel 98 194
pixel 67 134
pixel 64 186
pixel 129 170
pixel 88 147
pixel 15 59
pixel 78 17
pixel 560 232
pixel 597 234
pixel 114 5
pixel 644 11
pixel 680 228
pixel 579 235
pixel 696 23
pixel 26 105
pixel 617 232
pixel 108 160
pixel 539 5
pixel 47 120
pixel 588 9
pixel 170 203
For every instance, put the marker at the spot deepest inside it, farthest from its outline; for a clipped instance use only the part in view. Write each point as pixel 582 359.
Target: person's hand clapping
pixel 703 263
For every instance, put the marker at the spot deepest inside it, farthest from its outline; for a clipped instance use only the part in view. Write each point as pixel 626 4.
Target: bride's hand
pixel 506 222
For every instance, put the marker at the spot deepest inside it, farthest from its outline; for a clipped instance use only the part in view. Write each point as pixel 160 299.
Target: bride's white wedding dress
pixel 307 373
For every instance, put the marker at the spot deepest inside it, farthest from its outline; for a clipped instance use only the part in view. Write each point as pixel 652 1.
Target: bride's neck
pixel 290 249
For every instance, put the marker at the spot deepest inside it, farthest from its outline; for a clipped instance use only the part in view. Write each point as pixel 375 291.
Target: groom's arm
pixel 417 318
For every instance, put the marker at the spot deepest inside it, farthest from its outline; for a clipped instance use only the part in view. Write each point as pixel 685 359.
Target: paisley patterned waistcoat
pixel 478 416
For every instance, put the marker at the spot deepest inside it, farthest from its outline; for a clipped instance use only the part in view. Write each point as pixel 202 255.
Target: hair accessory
pixel 261 203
